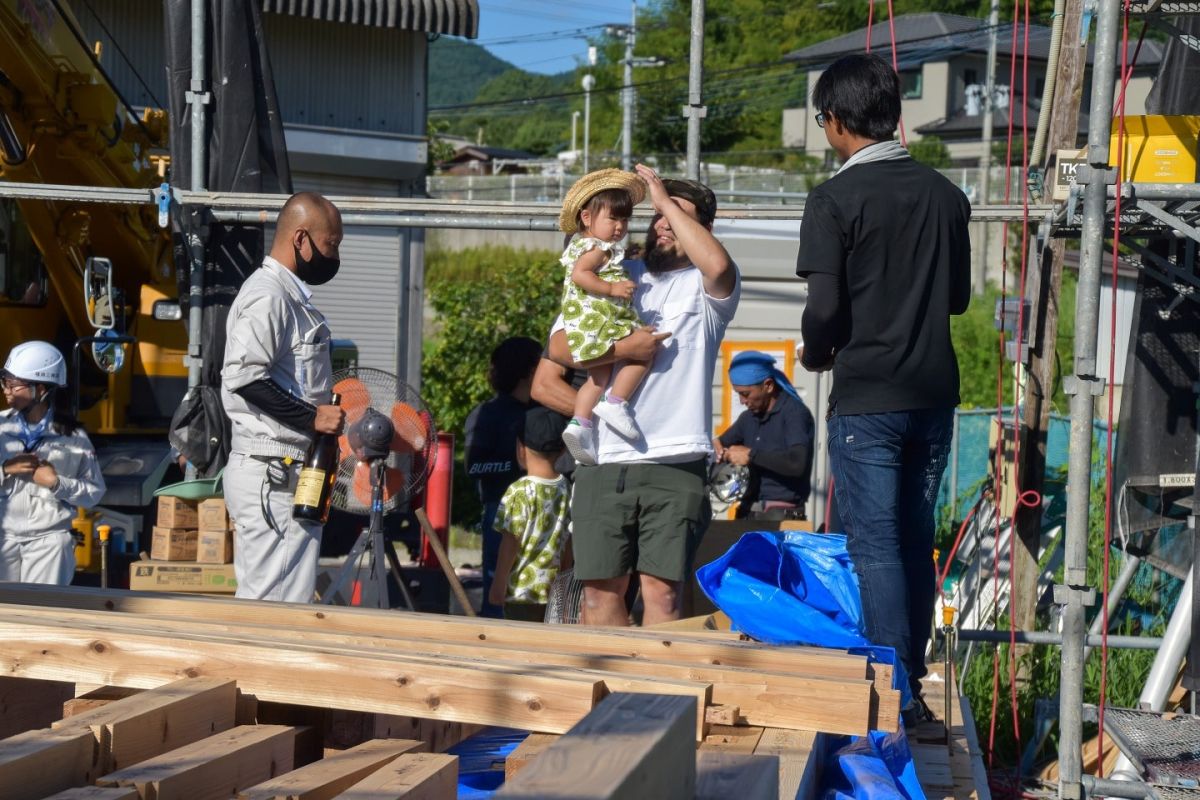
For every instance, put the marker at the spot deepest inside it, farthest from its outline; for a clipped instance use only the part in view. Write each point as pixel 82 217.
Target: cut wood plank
pixel 326 778
pixel 770 699
pixel 626 642
pixel 496 695
pixel 629 746
pixel 95 698
pixel 26 705
pixel 215 768
pixel 150 723
pixel 530 748
pixel 96 793
pixel 722 775
pixel 440 735
pixel 610 682
pixel 741 739
pixel 417 776
pixel 721 715
pixel 799 755
pixel 37 763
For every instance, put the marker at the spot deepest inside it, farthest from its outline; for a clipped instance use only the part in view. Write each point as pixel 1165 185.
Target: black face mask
pixel 318 269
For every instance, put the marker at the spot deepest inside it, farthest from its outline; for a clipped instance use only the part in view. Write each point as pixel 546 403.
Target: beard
pixel 657 259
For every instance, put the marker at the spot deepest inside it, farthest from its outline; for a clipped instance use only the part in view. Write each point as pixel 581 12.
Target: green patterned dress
pixel 593 323
pixel 538 512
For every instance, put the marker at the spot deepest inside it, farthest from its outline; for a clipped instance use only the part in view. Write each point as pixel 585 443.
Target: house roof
pixel 479 152
pixel 451 17
pixel 964 126
pixel 935 36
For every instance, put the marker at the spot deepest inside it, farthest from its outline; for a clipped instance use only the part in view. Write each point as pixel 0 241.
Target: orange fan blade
pixel 356 399
pixel 410 429
pixel 393 483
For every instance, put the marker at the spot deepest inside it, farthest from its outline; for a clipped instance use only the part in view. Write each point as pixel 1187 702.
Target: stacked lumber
pixel 184 741
pixel 469 670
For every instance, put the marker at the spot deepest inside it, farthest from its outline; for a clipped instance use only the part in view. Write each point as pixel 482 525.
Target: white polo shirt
pixel 673 406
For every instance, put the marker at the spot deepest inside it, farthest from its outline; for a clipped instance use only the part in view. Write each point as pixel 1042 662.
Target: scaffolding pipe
pixel 695 109
pixel 1165 671
pixel 1099 787
pixel 1129 569
pixel 1050 637
pixel 1074 594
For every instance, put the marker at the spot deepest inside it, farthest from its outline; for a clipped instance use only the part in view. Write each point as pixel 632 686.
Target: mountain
pixel 459 69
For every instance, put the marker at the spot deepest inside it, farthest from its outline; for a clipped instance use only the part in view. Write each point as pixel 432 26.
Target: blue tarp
pixel 481 761
pixel 798 588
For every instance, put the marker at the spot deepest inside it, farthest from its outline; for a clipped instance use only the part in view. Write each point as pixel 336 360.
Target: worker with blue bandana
pixel 773 438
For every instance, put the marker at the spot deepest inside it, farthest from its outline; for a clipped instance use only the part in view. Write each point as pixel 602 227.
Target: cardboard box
pixel 174 512
pixel 1158 149
pixel 214 547
pixel 173 544
pixel 158 576
pixel 213 515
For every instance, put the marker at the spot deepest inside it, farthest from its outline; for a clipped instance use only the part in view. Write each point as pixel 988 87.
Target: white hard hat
pixel 37 362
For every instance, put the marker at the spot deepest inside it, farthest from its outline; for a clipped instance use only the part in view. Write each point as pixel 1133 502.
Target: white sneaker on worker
pixel 581 443
pixel 618 417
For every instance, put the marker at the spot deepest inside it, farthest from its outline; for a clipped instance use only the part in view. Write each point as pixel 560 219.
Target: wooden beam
pixel 151 723
pixel 27 705
pixel 215 768
pixel 629 746
pixel 530 748
pixel 772 699
pixel 625 642
pixel 730 739
pixel 328 777
pixel 721 715
pixel 722 775
pixel 96 793
pixel 95 698
pixel 496 695
pixel 37 763
pixel 799 754
pixel 418 776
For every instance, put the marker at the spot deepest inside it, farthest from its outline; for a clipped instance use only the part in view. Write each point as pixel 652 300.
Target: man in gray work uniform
pixel 276 383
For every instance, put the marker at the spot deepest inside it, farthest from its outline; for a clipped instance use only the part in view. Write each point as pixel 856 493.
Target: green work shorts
pixel 643 517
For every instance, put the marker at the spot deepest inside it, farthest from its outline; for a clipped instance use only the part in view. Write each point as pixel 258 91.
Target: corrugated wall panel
pixel 329 74
pixel 362 302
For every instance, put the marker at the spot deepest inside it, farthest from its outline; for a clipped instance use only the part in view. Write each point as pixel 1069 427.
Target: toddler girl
pixel 597 307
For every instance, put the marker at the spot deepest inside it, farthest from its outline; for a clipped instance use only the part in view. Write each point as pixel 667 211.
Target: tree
pixel 930 151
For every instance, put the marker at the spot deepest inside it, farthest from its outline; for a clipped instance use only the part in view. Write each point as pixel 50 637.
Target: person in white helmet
pixel 47 468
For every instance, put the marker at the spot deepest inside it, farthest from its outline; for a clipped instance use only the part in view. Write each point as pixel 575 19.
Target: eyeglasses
pixel 821 119
pixel 12 384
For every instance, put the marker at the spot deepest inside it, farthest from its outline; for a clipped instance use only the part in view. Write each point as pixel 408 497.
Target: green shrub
pixel 480 297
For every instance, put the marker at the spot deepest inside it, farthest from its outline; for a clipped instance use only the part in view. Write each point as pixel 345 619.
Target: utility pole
pixel 627 92
pixel 574 124
pixel 695 110
pixel 979 280
pixel 1043 291
pixel 589 81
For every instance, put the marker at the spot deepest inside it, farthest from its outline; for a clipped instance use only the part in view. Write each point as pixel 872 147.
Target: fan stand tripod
pixel 382 551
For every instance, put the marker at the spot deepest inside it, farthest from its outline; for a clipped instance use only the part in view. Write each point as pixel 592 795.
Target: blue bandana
pixel 750 368
pixel 31 436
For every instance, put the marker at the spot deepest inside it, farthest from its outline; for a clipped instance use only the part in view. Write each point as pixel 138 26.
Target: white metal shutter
pixel 363 302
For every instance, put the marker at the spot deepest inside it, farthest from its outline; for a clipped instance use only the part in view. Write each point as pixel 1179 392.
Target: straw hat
pixel 592 184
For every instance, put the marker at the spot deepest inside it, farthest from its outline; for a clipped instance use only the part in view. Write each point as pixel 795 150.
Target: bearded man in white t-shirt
pixel 644 505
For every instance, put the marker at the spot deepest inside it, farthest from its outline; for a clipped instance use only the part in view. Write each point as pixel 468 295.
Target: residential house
pixel 476 159
pixel 942 61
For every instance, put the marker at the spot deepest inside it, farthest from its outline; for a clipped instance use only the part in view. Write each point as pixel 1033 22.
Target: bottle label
pixel 309 486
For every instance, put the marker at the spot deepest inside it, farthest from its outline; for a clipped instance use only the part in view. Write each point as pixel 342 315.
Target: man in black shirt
pixel 884 245
pixel 773 437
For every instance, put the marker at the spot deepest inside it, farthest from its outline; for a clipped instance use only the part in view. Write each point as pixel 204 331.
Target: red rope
pixel 962 529
pixel 896 65
pixel 870 21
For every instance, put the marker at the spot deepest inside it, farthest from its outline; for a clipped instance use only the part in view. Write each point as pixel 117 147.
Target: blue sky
pixel 546 36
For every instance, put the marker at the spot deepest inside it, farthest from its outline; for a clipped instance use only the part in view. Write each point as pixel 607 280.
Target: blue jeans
pixel 491 550
pixel 886 471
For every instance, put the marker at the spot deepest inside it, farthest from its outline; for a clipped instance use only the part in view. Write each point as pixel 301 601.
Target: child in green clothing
pixel 534 520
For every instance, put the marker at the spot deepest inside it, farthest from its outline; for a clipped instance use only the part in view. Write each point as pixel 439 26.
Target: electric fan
pixel 386 453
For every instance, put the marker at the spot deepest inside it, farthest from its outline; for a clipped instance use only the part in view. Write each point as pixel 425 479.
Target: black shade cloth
pixel 246 153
